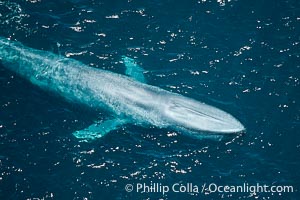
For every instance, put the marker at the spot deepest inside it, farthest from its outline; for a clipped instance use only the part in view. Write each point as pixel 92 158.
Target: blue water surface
pixel 240 56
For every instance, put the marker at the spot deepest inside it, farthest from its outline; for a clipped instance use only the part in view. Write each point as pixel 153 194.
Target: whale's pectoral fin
pixel 133 69
pixel 99 129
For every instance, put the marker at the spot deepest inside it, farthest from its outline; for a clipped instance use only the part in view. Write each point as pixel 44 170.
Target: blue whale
pixel 128 98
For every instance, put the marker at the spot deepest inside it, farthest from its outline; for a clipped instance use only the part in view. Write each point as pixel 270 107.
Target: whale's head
pixel 192 115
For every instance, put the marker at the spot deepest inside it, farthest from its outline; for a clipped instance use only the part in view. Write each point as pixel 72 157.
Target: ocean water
pixel 240 56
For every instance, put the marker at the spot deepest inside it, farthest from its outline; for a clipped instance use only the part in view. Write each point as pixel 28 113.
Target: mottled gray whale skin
pixel 129 100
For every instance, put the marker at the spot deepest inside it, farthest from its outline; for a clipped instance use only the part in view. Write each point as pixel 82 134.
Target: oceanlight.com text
pixel 257 188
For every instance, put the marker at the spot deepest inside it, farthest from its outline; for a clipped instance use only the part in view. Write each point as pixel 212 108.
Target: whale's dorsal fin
pixel 99 129
pixel 133 69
